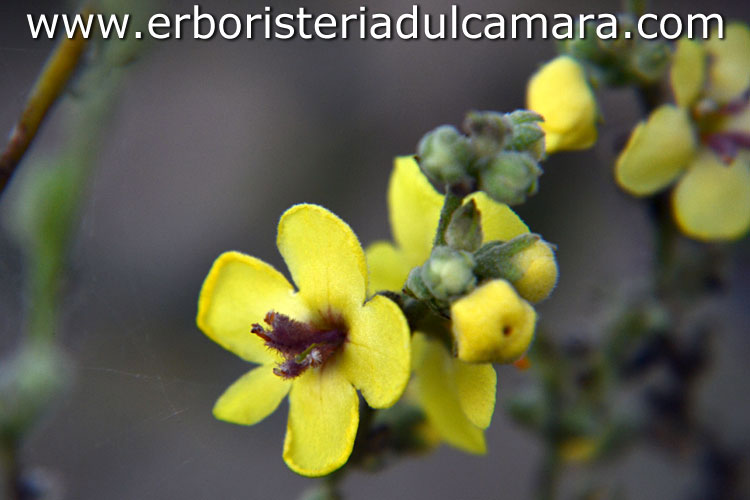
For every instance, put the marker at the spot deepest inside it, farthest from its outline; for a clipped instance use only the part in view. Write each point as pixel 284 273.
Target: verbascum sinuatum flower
pixel 317 344
pixel 701 145
pixel 492 323
pixel 561 93
pixel 457 396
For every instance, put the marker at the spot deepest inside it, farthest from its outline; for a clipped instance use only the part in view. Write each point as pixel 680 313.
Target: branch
pixel 51 82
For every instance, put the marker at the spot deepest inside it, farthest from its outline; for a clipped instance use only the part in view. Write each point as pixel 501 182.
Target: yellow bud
pixel 539 268
pixel 560 93
pixel 578 449
pixel 492 324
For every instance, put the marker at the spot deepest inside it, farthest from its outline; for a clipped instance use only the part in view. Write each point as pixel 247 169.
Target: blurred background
pixel 210 143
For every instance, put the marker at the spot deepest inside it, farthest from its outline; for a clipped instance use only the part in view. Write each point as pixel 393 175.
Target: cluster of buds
pixel 497 153
pixel 621 59
pixel 485 290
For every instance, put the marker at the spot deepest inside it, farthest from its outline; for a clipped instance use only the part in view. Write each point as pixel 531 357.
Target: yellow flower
pixel 318 343
pixel 703 143
pixel 560 92
pixel 457 397
pixel 492 324
pixel 538 271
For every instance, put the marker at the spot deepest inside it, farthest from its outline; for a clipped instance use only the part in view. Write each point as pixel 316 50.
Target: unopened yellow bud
pixel 492 324
pixel 560 93
pixel 539 268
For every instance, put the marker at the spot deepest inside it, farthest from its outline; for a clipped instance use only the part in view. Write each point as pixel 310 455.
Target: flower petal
pixel 499 221
pixel 688 72
pixel 376 355
pixel 476 384
pixel 238 291
pixel 560 92
pixel 712 200
pixel 414 209
pixel 737 122
pixel 323 420
pixel 324 257
pixel 252 397
pixel 387 266
pixel 657 152
pixel 437 391
pixel 729 70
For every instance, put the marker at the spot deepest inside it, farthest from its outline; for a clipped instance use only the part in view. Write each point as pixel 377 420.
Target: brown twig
pixel 51 82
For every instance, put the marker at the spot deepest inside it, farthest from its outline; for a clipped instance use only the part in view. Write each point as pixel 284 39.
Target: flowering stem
pixel 51 82
pixel 12 470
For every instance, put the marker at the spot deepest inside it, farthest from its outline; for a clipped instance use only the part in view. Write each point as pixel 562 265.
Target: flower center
pixel 302 345
pixel 711 121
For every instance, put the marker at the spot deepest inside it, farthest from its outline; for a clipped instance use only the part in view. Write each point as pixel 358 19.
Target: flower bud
pixel 527 134
pixel 488 131
pixel 538 269
pixel 509 177
pixel 560 92
pixel 30 381
pixel 448 273
pixel 444 154
pixel 492 324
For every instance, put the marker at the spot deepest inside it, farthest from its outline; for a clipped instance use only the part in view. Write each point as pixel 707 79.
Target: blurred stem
pixel 53 79
pixel 551 467
pixel 636 7
pixel 12 470
pixel 665 242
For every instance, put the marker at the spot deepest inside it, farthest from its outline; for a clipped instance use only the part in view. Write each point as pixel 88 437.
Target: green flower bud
pixel 464 231
pixel 415 285
pixel 448 273
pixel 29 383
pixel 527 134
pixel 650 61
pixel 510 177
pixel 444 154
pixel 488 132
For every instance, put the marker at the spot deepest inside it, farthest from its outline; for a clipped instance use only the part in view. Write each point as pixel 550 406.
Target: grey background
pixel 210 143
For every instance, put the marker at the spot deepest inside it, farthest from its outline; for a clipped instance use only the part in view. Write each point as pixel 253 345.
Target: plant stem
pixel 12 470
pixel 49 85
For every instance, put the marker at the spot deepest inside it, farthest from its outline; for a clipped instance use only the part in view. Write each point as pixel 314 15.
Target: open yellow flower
pixel 318 344
pixel 457 397
pixel 703 143
pixel 492 323
pixel 560 92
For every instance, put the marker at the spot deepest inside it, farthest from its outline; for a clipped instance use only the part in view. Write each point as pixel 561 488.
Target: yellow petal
pixel 239 291
pixel 492 324
pixel 712 200
pixel 325 258
pixel 539 268
pixel 414 210
pixel 499 221
pixel 252 397
pixel 476 385
pixel 657 152
pixel 376 354
pixel 688 72
pixel 437 391
pixel 387 266
pixel 322 425
pixel 560 93
pixel 737 122
pixel 729 70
